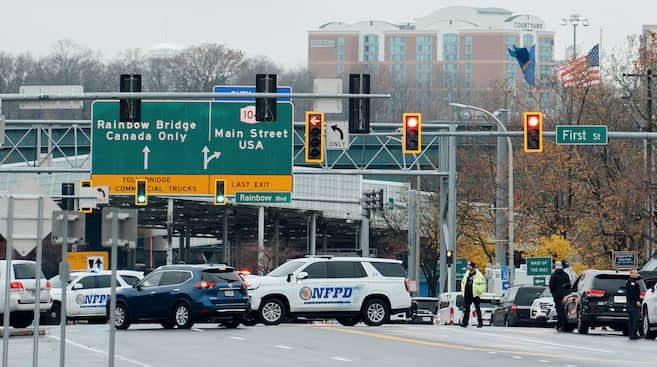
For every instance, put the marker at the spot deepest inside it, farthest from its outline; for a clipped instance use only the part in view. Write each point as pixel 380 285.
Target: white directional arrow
pixel 146 151
pixel 206 158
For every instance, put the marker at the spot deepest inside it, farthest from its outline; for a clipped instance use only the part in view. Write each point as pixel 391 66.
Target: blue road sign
pixel 504 275
pixel 246 89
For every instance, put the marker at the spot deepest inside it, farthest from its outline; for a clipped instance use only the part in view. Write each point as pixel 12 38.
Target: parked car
pixel 180 295
pixel 488 304
pixel 541 309
pixel 649 312
pixel 87 294
pixel 22 292
pixel 425 310
pixel 598 299
pixel 514 309
pixel 349 289
pixel 450 308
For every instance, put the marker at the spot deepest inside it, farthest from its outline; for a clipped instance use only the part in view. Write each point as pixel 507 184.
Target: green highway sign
pixel 262 197
pixel 539 280
pixel 539 266
pixel 181 147
pixel 461 267
pixel 581 134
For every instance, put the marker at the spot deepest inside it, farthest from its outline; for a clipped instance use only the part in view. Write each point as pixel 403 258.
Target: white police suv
pixel 87 293
pixel 350 289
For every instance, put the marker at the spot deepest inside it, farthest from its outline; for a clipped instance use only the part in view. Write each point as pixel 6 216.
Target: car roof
pixel 607 271
pixel 425 299
pixel 193 267
pixel 348 258
pixel 19 261
pixel 107 272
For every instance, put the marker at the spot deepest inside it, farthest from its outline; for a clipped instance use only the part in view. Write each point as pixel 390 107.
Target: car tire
pixel 168 324
pixel 375 312
pixel 232 324
pixel 647 333
pixel 121 316
pixel 509 322
pixel 21 320
pixel 52 316
pixel 348 320
pixel 272 311
pixel 568 328
pixel 182 316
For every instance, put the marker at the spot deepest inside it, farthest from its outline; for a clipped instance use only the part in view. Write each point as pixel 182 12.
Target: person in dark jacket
pixel 633 303
pixel 559 287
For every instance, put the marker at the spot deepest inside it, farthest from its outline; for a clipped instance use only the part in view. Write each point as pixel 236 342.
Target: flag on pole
pixel 583 71
pixel 527 61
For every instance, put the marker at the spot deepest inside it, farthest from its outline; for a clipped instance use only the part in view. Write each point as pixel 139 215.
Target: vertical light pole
pixel 501 126
pixel 574 20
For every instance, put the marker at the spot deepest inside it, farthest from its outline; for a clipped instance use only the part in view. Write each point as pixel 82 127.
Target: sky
pixel 277 28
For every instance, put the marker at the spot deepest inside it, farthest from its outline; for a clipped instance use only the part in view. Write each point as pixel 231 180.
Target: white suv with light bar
pixel 350 289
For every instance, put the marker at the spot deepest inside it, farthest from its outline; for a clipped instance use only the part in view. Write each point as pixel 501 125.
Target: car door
pixel 347 289
pixel 140 301
pixel 308 295
pixel 164 296
pixel 80 296
pixel 651 302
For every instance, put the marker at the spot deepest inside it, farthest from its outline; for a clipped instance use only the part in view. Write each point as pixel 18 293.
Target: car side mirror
pixel 302 275
pixel 77 286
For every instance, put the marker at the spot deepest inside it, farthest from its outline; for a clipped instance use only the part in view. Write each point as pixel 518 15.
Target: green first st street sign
pixel 581 134
pixel 191 138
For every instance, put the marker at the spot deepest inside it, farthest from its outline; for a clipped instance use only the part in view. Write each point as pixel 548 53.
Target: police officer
pixel 633 303
pixel 473 286
pixel 559 287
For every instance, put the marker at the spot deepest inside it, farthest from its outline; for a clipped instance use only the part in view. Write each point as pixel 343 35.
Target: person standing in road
pixel 633 303
pixel 559 287
pixel 473 286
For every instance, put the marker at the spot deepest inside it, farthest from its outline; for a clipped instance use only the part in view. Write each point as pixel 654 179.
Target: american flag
pixel 583 71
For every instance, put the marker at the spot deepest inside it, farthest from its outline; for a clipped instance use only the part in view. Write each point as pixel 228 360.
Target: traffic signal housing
pixel 412 133
pixel 219 192
pixel 533 122
pixel 85 184
pixel 314 137
pixel 130 109
pixel 449 254
pixel 141 194
pixel 359 108
pixel 266 107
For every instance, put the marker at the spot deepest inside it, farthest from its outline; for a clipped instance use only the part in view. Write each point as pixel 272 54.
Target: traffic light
pixel 412 133
pixel 266 107
pixel 130 109
pixel 379 200
pixel 533 132
pixel 141 194
pixel 219 192
pixel 314 137
pixel 86 184
pixel 449 257
pixel 359 108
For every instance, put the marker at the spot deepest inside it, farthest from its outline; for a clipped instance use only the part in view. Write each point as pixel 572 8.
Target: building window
pixel 397 48
pixel 398 72
pixel 340 68
pixel 545 72
pixel 509 42
pixel 527 40
pixel 423 75
pixel 340 48
pixel 423 48
pixel 546 49
pixel 467 82
pixel 467 48
pixel 370 47
pixel 511 76
pixel 450 47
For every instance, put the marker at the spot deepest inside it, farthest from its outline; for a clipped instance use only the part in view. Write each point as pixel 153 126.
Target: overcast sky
pixel 275 28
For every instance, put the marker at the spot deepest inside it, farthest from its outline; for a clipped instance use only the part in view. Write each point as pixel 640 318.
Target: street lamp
pixel 510 183
pixel 575 20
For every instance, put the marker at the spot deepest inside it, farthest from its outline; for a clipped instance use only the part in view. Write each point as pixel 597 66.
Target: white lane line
pixel 341 359
pixel 237 337
pixel 90 349
pixel 492 352
pixel 283 347
pixel 571 365
pixel 539 342
pixel 516 357
pixel 543 361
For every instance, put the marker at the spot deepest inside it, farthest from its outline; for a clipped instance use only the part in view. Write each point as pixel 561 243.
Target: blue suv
pixel 180 295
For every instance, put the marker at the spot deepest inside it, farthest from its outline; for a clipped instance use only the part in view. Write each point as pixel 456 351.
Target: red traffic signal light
pixel 314 137
pixel 412 133
pixel 533 128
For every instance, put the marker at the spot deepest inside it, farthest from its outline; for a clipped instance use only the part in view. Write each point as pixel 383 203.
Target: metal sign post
pixel 37 275
pixel 8 257
pixel 113 214
pixel 63 277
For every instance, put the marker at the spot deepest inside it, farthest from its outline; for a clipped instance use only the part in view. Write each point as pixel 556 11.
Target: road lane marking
pixel 479 349
pixel 516 357
pixel 543 361
pixel 197 330
pixel 341 359
pixel 90 349
pixel 237 337
pixel 534 341
pixel 283 347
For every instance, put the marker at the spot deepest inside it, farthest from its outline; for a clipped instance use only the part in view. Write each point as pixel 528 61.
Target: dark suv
pixel 598 298
pixel 514 308
pixel 179 295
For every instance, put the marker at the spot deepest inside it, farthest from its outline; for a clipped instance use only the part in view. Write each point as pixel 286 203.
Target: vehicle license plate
pixel 229 293
pixel 426 319
pixel 620 299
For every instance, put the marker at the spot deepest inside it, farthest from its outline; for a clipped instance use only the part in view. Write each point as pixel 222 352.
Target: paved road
pixel 332 345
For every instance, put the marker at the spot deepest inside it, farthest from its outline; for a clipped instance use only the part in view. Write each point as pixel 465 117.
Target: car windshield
pixel 56 281
pixel 487 304
pixel 25 271
pixel 650 265
pixel 217 276
pixel 285 269
pixel 611 283
pixel 527 295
